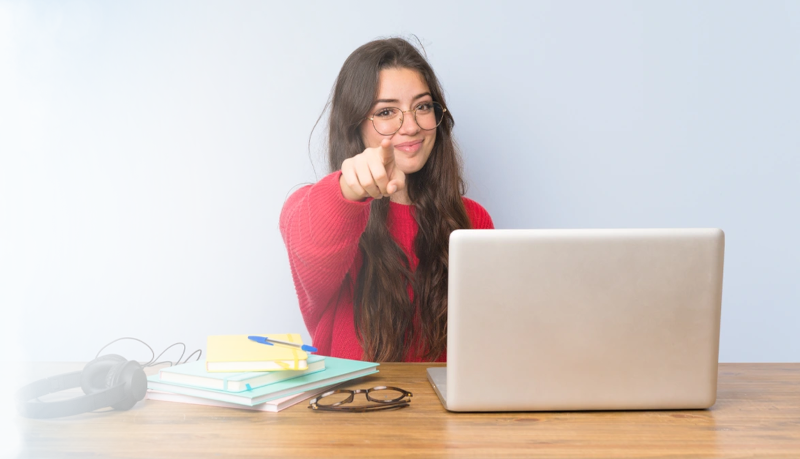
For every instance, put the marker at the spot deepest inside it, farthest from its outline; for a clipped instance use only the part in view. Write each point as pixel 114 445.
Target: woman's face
pixel 404 89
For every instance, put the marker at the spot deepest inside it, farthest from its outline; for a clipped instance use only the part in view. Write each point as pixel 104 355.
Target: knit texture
pixel 321 230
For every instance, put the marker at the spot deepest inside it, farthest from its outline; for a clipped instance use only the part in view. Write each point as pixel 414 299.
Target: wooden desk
pixel 757 414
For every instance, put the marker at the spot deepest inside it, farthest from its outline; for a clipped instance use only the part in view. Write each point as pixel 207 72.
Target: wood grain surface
pixel 757 414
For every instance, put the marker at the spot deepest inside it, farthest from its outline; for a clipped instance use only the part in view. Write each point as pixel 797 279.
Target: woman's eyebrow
pixel 395 101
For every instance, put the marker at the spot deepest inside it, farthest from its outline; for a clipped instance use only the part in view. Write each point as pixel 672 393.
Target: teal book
pixel 336 371
pixel 195 374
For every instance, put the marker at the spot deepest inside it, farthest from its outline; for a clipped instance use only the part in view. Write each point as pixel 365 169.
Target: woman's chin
pixel 408 170
pixel 411 165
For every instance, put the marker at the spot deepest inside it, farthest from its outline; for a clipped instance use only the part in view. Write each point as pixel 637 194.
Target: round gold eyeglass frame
pixel 398 402
pixel 402 118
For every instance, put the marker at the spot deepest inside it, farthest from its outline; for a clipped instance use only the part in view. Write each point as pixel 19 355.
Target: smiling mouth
pixel 409 147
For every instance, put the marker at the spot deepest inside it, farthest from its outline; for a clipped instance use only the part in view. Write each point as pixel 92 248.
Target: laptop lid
pixel 611 319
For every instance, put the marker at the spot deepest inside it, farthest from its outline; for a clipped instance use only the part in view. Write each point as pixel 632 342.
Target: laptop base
pixel 438 379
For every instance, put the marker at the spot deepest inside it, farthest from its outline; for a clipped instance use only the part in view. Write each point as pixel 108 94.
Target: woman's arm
pixel 321 230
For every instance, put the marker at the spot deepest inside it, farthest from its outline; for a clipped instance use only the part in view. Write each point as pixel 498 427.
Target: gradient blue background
pixel 146 149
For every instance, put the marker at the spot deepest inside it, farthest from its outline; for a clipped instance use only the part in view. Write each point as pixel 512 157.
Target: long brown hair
pixel 384 314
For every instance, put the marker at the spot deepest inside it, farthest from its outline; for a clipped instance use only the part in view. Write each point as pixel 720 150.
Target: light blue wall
pixel 146 149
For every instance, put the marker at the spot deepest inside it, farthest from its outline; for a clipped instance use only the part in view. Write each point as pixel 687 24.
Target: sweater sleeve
pixel 321 230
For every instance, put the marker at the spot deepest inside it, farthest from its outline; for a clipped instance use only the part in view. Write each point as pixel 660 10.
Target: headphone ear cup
pixel 95 375
pixel 132 376
pixel 112 377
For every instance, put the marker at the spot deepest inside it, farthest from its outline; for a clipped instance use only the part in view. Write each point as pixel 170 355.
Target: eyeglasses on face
pixel 381 398
pixel 389 120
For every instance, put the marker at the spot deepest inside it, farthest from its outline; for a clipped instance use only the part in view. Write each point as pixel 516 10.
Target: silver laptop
pixel 563 320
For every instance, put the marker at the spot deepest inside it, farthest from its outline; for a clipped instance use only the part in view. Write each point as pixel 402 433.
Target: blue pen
pixel 271 341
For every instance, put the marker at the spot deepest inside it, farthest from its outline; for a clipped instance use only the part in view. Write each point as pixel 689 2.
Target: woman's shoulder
pixel 477 214
pixel 321 199
pixel 328 182
pixel 296 194
pixel 291 204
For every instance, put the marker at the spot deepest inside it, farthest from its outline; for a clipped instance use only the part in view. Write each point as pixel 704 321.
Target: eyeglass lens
pixel 389 120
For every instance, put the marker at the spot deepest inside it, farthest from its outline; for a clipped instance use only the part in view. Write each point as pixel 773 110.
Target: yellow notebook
pixel 228 353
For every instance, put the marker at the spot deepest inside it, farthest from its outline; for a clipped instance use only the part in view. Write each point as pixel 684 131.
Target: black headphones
pixel 108 380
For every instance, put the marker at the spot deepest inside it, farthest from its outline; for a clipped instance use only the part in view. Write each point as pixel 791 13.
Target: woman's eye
pixel 384 113
pixel 425 106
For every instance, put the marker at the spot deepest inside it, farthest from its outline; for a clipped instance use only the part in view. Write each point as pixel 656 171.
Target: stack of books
pixel 240 373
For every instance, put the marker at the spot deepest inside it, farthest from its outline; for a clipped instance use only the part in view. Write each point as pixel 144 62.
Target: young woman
pixel 368 244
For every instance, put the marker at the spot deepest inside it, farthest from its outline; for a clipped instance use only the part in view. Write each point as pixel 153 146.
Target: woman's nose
pixel 409 126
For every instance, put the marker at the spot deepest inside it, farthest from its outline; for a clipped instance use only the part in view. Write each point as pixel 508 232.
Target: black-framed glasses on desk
pixel 379 398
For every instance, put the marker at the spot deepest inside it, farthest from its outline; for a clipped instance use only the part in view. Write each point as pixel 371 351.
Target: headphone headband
pixel 90 402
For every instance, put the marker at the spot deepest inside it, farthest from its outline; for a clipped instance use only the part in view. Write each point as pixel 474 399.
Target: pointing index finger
pixel 387 151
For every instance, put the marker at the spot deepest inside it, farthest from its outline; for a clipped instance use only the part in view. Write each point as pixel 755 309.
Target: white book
pixel 272 406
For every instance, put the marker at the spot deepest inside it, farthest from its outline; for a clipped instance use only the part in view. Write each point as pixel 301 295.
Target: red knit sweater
pixel 321 229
